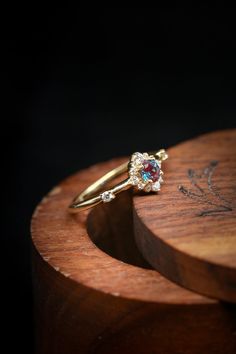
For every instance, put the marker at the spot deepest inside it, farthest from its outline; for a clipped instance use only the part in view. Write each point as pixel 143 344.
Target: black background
pixel 86 84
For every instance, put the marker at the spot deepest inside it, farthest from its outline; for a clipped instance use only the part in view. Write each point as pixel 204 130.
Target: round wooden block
pixel 188 231
pixel 94 293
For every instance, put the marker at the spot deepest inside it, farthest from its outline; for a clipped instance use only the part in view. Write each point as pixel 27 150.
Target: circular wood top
pixel 188 231
pixel 77 246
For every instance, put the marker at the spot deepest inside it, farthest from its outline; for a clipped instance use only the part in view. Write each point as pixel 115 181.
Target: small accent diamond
pixel 107 196
pixel 137 155
pixel 137 159
pixel 141 186
pixel 156 186
pixel 134 180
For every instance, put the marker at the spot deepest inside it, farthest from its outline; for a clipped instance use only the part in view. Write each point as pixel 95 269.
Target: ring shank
pixel 92 195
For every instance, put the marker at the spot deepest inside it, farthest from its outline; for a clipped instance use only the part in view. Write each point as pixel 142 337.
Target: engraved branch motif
pixel 208 194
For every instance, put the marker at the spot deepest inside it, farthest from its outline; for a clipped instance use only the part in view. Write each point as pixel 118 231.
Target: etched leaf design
pixel 205 192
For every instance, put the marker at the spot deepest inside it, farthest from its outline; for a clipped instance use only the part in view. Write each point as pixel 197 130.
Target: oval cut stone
pixel 150 170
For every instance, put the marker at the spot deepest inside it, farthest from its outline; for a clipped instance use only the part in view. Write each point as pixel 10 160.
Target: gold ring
pixel 144 173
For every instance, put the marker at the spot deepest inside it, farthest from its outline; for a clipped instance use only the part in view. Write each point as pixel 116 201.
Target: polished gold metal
pixel 95 194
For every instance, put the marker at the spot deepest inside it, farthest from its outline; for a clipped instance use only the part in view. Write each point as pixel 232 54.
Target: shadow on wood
pixel 94 293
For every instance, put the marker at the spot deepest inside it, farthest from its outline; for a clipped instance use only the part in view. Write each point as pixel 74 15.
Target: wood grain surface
pixel 188 231
pixel 94 292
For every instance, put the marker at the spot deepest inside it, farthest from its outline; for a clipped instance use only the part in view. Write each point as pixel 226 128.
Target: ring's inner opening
pixel 105 182
pixel 110 226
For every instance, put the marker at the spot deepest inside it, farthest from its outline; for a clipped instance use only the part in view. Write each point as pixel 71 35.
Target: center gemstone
pixel 150 170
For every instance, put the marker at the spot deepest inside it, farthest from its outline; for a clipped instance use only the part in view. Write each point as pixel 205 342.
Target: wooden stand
pixel 94 293
pixel 188 231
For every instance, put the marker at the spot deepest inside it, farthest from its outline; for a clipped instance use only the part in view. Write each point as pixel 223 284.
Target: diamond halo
pixel 145 172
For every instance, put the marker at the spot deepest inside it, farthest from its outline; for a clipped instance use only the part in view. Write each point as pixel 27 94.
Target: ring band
pixel 144 173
